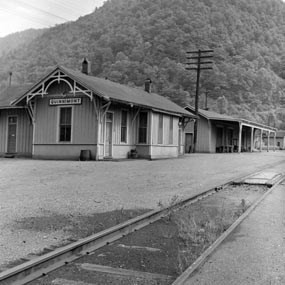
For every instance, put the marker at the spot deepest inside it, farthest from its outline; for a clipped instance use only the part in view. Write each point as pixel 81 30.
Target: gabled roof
pixel 118 93
pixel 210 115
pixel 9 94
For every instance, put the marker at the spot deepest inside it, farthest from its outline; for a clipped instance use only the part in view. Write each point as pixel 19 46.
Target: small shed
pixel 222 133
pixel 280 140
pixel 15 125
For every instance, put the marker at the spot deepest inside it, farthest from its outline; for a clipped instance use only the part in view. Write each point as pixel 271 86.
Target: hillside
pixel 129 40
pixel 16 40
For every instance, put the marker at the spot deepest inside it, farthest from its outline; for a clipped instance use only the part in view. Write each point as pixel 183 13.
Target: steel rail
pixel 42 265
pixel 182 279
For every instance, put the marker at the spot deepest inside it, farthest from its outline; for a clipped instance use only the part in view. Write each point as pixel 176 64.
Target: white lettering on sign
pixel 65 101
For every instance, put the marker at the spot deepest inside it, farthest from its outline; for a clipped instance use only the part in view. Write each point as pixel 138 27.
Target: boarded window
pixel 143 127
pixel 65 124
pixel 160 129
pixel 170 130
pixel 124 121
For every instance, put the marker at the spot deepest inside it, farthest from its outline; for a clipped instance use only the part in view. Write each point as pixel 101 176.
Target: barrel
pixel 85 154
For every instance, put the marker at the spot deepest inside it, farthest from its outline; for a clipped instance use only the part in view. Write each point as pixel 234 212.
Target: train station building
pixel 221 133
pixel 70 115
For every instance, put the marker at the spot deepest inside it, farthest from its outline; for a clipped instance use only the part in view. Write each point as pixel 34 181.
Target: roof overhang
pixel 244 122
pixel 78 86
pixel 57 75
pixel 12 107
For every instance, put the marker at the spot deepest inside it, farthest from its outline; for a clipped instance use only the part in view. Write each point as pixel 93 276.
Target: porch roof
pixel 112 91
pixel 9 94
pixel 210 115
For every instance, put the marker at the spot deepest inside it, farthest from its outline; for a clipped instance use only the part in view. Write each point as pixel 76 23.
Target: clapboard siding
pixel 84 123
pixel 24 131
pixel 203 135
pixel 166 129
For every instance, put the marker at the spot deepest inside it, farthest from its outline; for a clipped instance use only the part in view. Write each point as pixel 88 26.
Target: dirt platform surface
pixel 42 202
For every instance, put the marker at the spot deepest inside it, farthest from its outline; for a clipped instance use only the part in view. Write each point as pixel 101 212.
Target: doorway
pixel 12 134
pixel 109 134
pixel 188 142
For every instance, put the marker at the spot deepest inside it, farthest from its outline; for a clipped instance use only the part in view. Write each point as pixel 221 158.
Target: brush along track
pixel 42 265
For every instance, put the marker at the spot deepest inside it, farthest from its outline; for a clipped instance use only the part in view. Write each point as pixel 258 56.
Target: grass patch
pixel 199 229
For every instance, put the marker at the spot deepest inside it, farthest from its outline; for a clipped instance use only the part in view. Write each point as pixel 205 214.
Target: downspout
pixel 150 135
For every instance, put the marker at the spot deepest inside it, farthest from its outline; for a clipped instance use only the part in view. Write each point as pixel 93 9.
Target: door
pixel 188 143
pixel 220 140
pixel 109 135
pixel 180 141
pixel 12 134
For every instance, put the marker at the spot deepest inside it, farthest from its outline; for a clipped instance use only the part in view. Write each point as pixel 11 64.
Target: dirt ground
pixel 42 202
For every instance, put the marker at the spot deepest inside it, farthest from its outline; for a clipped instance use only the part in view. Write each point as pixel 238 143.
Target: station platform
pixel 254 253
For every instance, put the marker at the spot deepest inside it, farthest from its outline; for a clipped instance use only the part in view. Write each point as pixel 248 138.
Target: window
pixel 160 129
pixel 142 127
pixel 65 124
pixel 170 130
pixel 124 122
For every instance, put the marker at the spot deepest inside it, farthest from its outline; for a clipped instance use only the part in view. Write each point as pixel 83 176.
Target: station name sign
pixel 65 101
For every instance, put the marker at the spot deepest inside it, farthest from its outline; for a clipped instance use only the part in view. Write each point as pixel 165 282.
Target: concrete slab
pixel 264 177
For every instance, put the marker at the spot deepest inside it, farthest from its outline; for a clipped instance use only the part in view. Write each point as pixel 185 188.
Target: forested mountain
pixel 129 40
pixel 18 39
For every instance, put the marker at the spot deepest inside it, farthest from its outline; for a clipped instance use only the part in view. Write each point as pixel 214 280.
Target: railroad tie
pixel 125 272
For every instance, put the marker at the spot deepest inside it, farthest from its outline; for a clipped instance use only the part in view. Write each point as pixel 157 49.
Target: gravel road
pixel 36 193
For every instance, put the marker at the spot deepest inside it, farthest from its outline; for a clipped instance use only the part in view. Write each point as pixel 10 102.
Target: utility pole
pixel 198 61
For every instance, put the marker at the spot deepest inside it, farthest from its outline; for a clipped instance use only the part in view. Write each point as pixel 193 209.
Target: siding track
pixel 42 265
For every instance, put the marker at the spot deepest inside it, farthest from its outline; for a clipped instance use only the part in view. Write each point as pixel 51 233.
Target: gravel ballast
pixel 41 201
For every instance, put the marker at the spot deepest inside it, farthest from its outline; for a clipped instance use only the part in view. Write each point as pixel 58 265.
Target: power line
pixel 20 2
pixel 67 8
pixel 23 16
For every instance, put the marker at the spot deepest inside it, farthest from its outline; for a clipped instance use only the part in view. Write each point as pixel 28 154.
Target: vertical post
pixel 198 63
pixel 268 140
pixel 98 112
pixel 10 78
pixel 251 139
pixel 260 149
pixel 239 137
pixel 197 102
pixel 274 141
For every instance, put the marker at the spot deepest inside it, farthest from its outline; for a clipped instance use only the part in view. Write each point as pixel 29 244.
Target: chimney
pixel 147 85
pixel 86 66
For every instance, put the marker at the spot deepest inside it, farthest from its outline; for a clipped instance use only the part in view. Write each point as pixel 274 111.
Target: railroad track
pixel 42 265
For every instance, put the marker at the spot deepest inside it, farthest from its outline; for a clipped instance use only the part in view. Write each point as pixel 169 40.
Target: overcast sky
pixel 19 15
